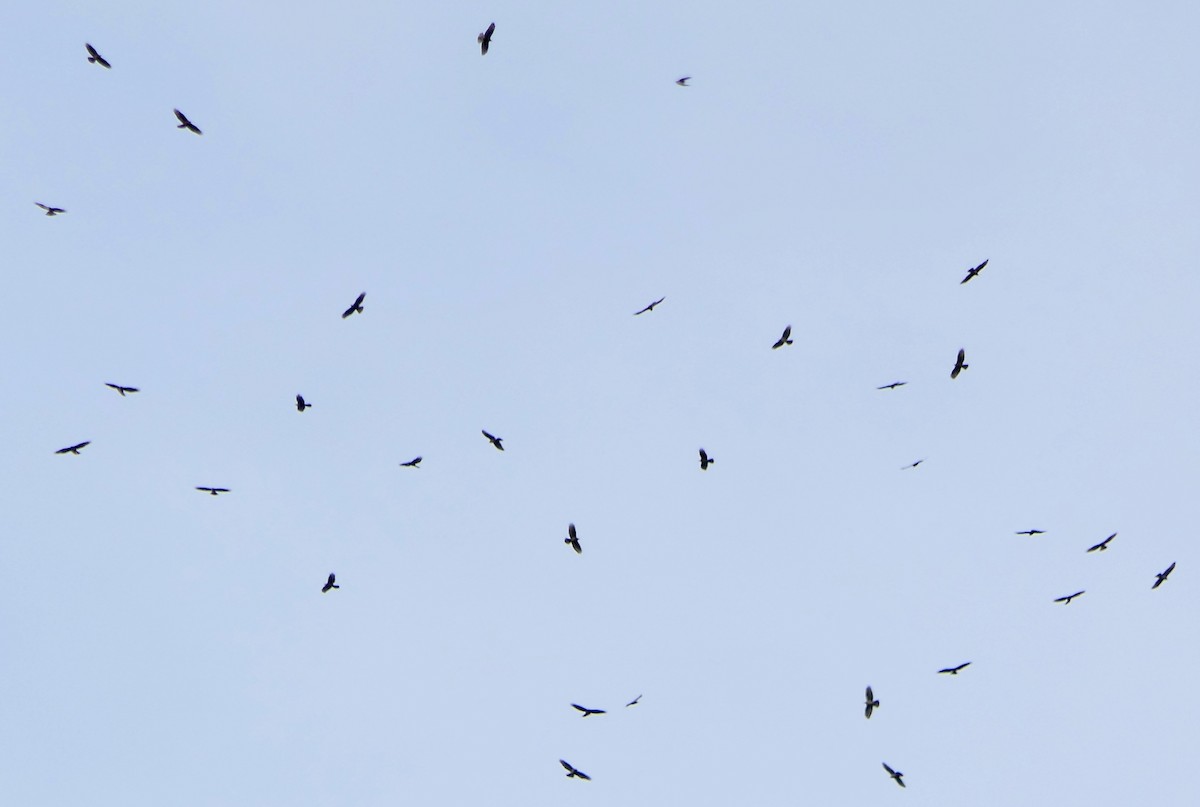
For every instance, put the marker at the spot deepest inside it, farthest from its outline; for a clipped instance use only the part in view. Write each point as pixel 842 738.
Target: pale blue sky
pixel 837 168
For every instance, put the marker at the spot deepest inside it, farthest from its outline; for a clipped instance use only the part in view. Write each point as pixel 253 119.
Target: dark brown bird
pixel 586 711
pixel 121 389
pixel 415 462
pixel 1162 578
pixel 634 701
pixel 1067 599
pixel 356 308
pixel 786 339
pixel 683 82
pixel 95 58
pixel 872 703
pixel 50 211
pixel 300 404
pixel 485 39
pixel 494 440
pixel 705 460
pixel 75 449
pixel 972 272
pixel 895 775
pixel 1103 545
pixel 573 772
pixel 329 583
pixel 213 491
pixel 913 465
pixel 954 670
pixel 893 385
pixel 959 366
pixel 649 307
pixel 1031 532
pixel 573 539
pixel 184 123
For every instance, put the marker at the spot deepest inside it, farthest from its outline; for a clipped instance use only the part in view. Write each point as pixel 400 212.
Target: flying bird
pixel 972 272
pixel 95 58
pixel 329 583
pixel 897 775
pixel 300 404
pixel 213 491
pixel 485 39
pixel 959 366
pixel 586 711
pixel 1031 532
pixel 121 389
pixel 415 462
pixel 683 82
pixel 494 440
pixel 786 339
pixel 50 211
pixel 705 460
pixel 573 539
pixel 184 123
pixel 872 702
pixel 954 670
pixel 913 465
pixel 1067 599
pixel 893 385
pixel 1162 578
pixel 75 450
pixel 634 701
pixel 649 307
pixel 1103 545
pixel 572 772
pixel 356 308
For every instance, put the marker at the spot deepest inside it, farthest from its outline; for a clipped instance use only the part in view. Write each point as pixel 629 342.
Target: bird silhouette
pixel 213 491
pixel 330 583
pixel 184 123
pixel 954 670
pixel 300 404
pixel 95 58
pixel 1103 545
pixel 893 385
pixel 683 82
pixel 494 440
pixel 415 462
pixel 573 772
pixel 73 449
pixel 705 460
pixel 573 539
pixel 913 465
pixel 50 211
pixel 1067 599
pixel 786 339
pixel 1162 578
pixel 872 703
pixel 485 39
pixel 634 702
pixel 356 307
pixel 973 272
pixel 586 711
pixel 959 366
pixel 121 389
pixel 897 775
pixel 1031 532
pixel 649 307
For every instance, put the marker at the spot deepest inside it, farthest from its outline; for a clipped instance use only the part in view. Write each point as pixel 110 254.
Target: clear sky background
pixel 835 167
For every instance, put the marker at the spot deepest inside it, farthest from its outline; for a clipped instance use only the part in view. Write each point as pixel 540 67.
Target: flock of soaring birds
pixel 572 540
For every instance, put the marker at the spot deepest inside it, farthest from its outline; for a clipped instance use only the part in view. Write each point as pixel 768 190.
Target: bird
pixel 184 123
pixel 494 440
pixel 649 307
pixel 1162 578
pixel 897 775
pixel 633 702
pixel 1067 599
pixel 913 465
pixel 485 39
pixel 954 670
pixel 95 58
pixel 972 272
pixel 329 583
pixel 356 308
pixel 893 385
pixel 573 539
pixel 705 460
pixel 300 404
pixel 586 711
pixel 213 491
pixel 959 366
pixel 683 82
pixel 50 211
pixel 786 339
pixel 121 389
pixel 415 462
pixel 872 703
pixel 572 772
pixel 1103 545
pixel 75 450
pixel 1031 532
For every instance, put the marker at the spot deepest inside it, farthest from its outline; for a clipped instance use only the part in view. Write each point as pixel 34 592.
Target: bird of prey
pixel 329 583
pixel 1031 532
pixel 972 272
pixel 649 307
pixel 705 460
pixel 786 339
pixel 1103 545
pixel 485 39
pixel 1162 578
pixel 75 450
pixel 184 123
pixel 954 670
pixel 586 711
pixel 872 702
pixel 1067 599
pixel 913 465
pixel 300 404
pixel 634 701
pixel 213 491
pixel 121 389
pixel 356 308
pixel 50 211
pixel 897 775
pixel 683 82
pixel 959 366
pixel 95 58
pixel 494 440
pixel 415 462
pixel 573 539
pixel 893 385
pixel 572 772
